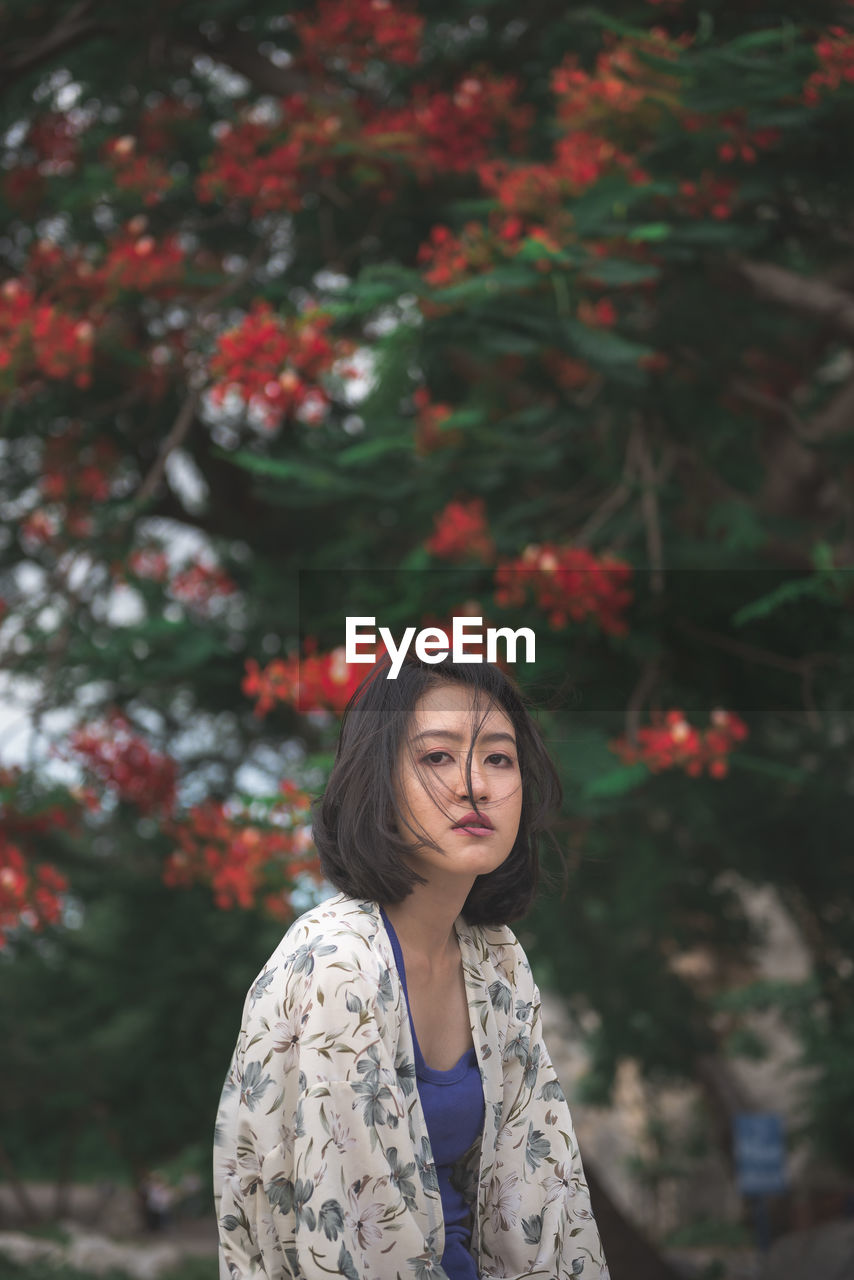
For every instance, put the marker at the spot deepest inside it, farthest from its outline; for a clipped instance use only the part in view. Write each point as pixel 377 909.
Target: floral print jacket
pixel 322 1162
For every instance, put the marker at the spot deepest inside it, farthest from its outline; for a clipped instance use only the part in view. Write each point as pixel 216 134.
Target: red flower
pixel 275 363
pixel 30 895
pixel 243 856
pixel 123 762
pixel 314 682
pixel 569 584
pixel 461 533
pixel 429 431
pixel 200 585
pixel 835 55
pixel 355 31
pixel 671 742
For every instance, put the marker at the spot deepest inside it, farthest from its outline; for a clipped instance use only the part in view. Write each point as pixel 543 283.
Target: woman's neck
pixel 424 921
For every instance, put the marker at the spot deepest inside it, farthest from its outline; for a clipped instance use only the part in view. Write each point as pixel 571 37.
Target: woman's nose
pixel 479 785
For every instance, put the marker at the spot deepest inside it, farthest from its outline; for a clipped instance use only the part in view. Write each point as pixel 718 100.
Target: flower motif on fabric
pixel 253 1085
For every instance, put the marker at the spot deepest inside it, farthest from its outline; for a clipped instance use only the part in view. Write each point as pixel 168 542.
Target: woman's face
pixel 433 793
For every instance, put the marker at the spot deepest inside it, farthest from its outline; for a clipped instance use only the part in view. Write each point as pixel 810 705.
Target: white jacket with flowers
pixel 322 1162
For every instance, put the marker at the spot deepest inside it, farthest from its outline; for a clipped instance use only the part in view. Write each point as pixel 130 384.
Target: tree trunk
pixel 629 1254
pixel 19 1191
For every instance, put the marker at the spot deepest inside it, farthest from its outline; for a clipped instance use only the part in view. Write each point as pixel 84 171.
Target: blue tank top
pixel 453 1106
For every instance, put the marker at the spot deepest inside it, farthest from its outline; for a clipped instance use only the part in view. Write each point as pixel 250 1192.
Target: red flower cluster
pixel 620 85
pixel 50 315
pixel 355 31
pixel 535 195
pixel 529 190
pixel 150 562
pixel 75 470
pixel 247 862
pixel 598 315
pixel 199 585
pixel 159 126
pixel 271 165
pixel 570 584
pixel 29 894
pixel 124 763
pixel 622 93
pixel 617 86
pixel 429 433
pixel 38 339
pixel 314 682
pixel 275 363
pixel 479 247
pixel 140 263
pixel 671 742
pixel 582 158
pixel 133 260
pixel 835 55
pixel 76 475
pixel 743 143
pixel 451 132
pixel 461 533
pixel 570 373
pixel 144 175
pixel 52 138
pixel 711 195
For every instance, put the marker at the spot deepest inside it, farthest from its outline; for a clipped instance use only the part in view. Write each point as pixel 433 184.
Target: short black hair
pixel 357 824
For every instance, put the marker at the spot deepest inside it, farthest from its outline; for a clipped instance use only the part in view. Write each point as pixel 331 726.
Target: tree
pixel 383 310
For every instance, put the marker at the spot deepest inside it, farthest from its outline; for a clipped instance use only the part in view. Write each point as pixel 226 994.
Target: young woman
pixel 391 1111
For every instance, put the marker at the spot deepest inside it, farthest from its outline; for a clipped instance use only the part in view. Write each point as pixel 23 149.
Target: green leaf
pixel 796 589
pixel 302 473
pixel 603 346
pixel 508 279
pixel 651 231
pixel 369 450
pixel 782 34
pixel 617 782
pixel 737 525
pixel 462 418
pixel 769 768
pixel 619 271
pixel 418 558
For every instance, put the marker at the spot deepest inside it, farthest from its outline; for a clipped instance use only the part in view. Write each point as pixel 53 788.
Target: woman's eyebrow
pixel 497 736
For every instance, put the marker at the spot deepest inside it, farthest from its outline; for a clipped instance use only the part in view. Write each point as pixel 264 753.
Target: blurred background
pixel 539 315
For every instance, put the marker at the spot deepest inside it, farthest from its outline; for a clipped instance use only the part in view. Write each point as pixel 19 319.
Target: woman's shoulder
pixel 340 917
pixel 340 932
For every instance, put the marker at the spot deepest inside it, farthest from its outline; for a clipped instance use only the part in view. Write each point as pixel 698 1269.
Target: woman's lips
pixel 474 825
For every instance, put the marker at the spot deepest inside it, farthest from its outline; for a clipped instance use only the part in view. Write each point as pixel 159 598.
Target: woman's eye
pixel 496 758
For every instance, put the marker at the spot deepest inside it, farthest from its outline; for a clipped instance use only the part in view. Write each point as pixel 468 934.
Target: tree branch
pixel 646 683
pixel 71 29
pixel 834 419
pixel 650 479
pixel 174 440
pixel 801 293
pixel 616 498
